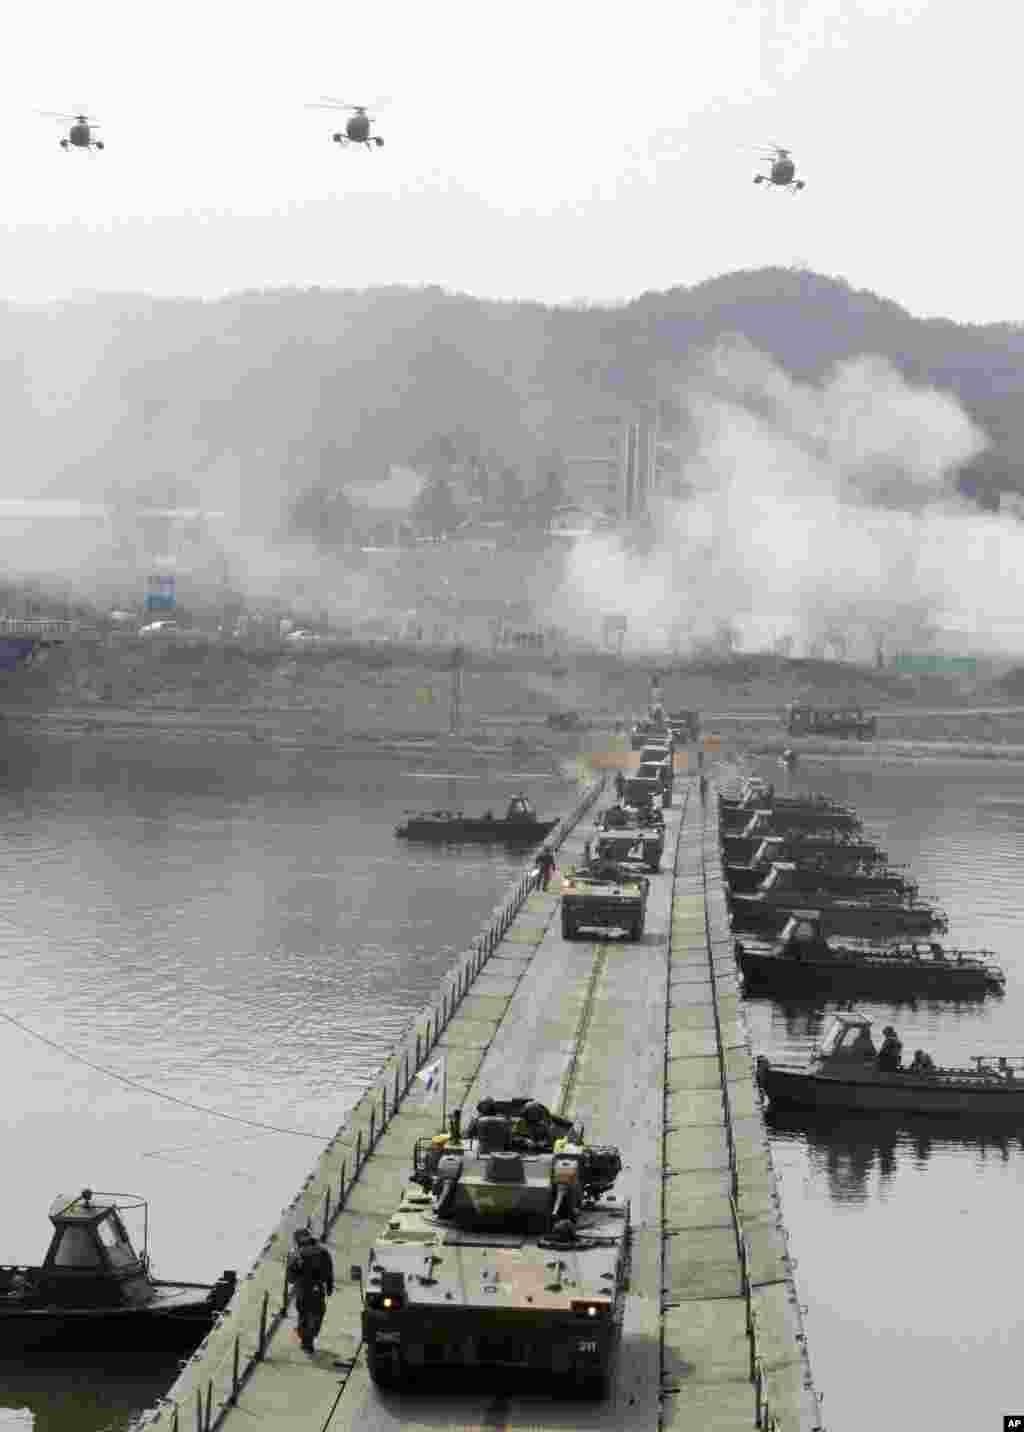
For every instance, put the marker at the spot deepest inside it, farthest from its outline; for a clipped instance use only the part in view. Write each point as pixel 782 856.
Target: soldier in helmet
pixel 532 1129
pixel 311 1270
pixel 484 1109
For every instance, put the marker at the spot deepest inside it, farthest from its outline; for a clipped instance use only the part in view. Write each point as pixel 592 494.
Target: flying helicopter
pixel 357 126
pixel 782 172
pixel 79 136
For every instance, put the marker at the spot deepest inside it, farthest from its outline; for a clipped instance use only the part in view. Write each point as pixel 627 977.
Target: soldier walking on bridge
pixel 311 1270
pixel 545 866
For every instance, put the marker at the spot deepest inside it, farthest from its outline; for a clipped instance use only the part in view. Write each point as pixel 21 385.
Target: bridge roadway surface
pixel 623 1036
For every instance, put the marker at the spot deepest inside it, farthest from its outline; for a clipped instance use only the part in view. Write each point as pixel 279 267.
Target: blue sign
pixel 160 592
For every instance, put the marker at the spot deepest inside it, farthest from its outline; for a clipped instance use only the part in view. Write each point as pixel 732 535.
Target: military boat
pixel 508 1251
pixel 815 873
pixel 770 906
pixel 92 1286
pixel 518 826
pixel 784 819
pixel 843 1074
pixel 838 846
pixel 805 960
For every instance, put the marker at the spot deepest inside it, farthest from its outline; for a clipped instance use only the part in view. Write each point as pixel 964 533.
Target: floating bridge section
pixel 645 1043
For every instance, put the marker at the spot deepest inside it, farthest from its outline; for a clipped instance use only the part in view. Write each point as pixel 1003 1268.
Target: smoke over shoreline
pixel 815 514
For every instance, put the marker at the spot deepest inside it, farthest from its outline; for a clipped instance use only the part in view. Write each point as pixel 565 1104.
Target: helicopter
pixel 357 127
pixel 782 172
pixel 79 136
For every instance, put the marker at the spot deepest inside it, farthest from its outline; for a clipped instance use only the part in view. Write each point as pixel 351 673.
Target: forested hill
pixel 253 398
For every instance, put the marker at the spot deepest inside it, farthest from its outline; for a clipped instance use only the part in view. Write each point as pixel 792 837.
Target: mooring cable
pixel 159 1093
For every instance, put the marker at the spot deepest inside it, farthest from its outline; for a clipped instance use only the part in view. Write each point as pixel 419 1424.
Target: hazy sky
pixel 555 151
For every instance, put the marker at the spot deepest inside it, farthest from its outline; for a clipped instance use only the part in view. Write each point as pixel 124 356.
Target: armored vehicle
pixel 684 725
pixel 508 1251
pixel 660 771
pixel 604 897
pixel 627 817
pixel 644 791
pixel 841 721
pixel 644 846
pixel 654 729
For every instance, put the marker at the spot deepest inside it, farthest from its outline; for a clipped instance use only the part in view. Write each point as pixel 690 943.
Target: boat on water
pixel 833 849
pixel 804 959
pixel 814 873
pixel 771 905
pixel 844 1073
pixel 783 819
pixel 93 1286
pixel 762 794
pixel 519 825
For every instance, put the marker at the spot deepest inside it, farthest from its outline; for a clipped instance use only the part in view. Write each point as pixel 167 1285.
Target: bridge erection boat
pixel 519 826
pixel 803 960
pixel 844 1073
pixel 93 1288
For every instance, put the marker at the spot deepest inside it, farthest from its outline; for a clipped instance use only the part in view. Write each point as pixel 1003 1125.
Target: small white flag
pixel 433 1075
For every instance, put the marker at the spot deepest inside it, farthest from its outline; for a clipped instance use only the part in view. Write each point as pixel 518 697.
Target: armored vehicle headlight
pixel 591 1307
pixel 386 1302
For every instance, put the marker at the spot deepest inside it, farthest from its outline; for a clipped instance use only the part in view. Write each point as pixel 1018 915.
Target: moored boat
pixel 519 826
pixel 801 845
pixel 783 819
pixel 93 1286
pixel 771 905
pixel 816 873
pixel 844 1073
pixel 803 959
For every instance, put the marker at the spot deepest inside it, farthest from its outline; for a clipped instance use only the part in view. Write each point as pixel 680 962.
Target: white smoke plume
pixel 815 513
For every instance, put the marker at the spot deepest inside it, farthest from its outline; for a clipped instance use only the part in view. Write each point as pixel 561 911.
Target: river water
pixel 906 1231
pixel 233 925
pixel 225 923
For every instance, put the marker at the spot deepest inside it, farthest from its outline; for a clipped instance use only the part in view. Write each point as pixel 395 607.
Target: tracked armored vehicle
pixel 643 846
pixel 604 896
pixel 508 1251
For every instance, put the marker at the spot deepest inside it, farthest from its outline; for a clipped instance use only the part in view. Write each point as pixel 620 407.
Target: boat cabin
pixel 91 1260
pixel 847 1040
pixel 519 808
pixel 781 876
pixel 802 934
